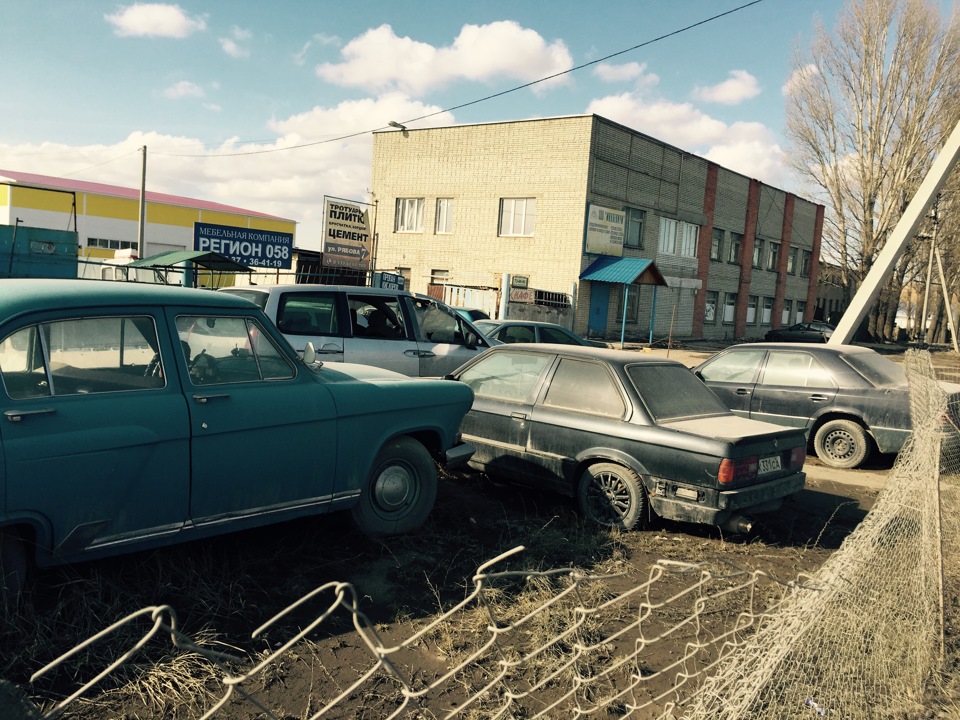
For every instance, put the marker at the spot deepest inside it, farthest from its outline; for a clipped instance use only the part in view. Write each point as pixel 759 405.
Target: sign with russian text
pixel 347 239
pixel 605 230
pixel 254 248
pixel 523 295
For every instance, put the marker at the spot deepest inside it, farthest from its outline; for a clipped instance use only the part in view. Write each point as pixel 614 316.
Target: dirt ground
pixel 223 589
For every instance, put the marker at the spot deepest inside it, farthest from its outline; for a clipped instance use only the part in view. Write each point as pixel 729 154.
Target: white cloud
pixel 155 20
pixel 739 87
pixel 380 60
pixel 300 57
pixel 289 183
pixel 231 45
pixel 183 89
pixel 799 77
pixel 749 148
pixel 625 73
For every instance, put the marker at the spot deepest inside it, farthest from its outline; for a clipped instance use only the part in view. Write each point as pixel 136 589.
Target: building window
pixel 668 236
pixel 752 302
pixel 758 253
pixel 792 261
pixel 716 244
pixel 112 244
pixel 405 273
pixel 774 256
pixel 736 240
pixel 805 266
pixel 767 311
pixel 785 315
pixel 409 215
pixel 730 308
pixel 688 239
pixel 517 216
pixel 439 277
pixel 633 235
pixel 633 303
pixel 710 309
pixel 801 309
pixel 444 224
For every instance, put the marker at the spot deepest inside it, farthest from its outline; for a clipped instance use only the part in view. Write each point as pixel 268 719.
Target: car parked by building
pixel 850 400
pixel 136 415
pixel 533 331
pixel 410 334
pixel 627 435
pixel 806 332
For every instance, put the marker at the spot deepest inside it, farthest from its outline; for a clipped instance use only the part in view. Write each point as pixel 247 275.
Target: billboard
pixel 254 248
pixel 605 230
pixel 347 241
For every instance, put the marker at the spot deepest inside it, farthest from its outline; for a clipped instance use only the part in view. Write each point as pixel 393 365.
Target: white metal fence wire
pixel 858 640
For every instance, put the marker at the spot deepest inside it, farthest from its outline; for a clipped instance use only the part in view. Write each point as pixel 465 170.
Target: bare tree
pixel 868 108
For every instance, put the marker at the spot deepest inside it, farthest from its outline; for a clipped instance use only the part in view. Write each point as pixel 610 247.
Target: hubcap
pixel 394 488
pixel 609 497
pixel 840 445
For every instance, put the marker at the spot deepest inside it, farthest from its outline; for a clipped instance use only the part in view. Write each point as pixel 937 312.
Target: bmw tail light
pixel 737 471
pixel 798 456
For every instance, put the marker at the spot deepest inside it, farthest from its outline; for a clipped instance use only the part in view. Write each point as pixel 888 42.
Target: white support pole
pixel 905 229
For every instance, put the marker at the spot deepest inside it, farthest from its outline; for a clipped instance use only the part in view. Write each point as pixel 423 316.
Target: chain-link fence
pixel 860 639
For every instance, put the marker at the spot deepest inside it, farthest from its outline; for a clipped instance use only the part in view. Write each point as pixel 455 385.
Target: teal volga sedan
pixel 136 415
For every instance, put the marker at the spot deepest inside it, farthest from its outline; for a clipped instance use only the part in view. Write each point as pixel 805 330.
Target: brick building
pixel 545 199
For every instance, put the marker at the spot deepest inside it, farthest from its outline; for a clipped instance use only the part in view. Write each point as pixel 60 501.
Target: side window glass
pixel 517 334
pixel 567 389
pixel 552 335
pixel 437 325
pixel 308 314
pixel 22 367
pixel 735 367
pixel 374 316
pixel 82 356
pixel 795 369
pixel 513 377
pixel 222 350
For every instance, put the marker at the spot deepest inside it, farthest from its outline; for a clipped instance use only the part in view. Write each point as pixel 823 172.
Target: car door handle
pixel 330 349
pixel 518 416
pixel 204 398
pixel 743 391
pixel 18 415
pixel 816 397
pixel 419 353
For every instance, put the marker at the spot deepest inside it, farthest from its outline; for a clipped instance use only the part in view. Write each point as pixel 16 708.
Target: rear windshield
pixel 876 368
pixel 672 392
pixel 258 298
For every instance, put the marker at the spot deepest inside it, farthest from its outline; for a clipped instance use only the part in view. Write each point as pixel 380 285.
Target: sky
pixel 270 106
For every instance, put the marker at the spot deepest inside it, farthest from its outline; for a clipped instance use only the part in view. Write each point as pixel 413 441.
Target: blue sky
pixel 217 89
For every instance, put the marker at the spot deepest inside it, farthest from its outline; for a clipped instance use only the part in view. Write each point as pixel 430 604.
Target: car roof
pixel 539 323
pixel 314 287
pixel 619 357
pixel 821 348
pixel 18 295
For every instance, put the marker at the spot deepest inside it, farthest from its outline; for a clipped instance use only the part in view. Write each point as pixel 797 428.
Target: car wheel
pixel 775 337
pixel 612 495
pixel 401 490
pixel 841 443
pixel 13 567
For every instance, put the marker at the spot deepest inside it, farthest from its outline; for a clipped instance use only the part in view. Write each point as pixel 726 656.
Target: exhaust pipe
pixel 737 524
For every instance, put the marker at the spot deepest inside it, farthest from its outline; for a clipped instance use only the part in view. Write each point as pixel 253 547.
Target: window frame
pixel 406 221
pixel 633 222
pixel 716 244
pixel 528 216
pixel 443 221
pixel 735 248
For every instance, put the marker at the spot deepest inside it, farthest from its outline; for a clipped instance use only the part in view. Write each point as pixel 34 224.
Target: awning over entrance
pixel 620 271
pixel 209 260
pixel 623 271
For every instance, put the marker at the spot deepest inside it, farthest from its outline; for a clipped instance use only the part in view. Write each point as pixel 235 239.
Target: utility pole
pixel 143 203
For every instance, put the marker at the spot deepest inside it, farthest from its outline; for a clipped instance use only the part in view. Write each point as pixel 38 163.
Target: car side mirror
pixel 699 375
pixel 471 340
pixel 309 354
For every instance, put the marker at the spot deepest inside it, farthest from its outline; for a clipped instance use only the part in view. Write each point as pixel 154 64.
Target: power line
pixel 483 99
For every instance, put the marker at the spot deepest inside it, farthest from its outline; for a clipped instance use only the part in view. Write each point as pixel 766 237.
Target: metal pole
pixel 946 295
pixel 143 203
pixel 653 314
pixel 926 297
pixel 623 317
pixel 13 246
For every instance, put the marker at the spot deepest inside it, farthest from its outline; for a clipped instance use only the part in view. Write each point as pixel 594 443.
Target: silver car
pixel 393 329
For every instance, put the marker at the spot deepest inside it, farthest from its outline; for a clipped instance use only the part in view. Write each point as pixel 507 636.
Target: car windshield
pixel 671 392
pixel 486 326
pixel 876 368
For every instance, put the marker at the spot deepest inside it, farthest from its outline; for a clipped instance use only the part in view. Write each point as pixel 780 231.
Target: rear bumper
pixel 714 507
pixel 458 455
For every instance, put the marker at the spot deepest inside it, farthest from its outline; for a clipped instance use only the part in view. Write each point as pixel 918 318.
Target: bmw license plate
pixel 769 464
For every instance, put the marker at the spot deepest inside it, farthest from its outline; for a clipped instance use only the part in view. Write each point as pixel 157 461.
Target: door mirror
pixel 309 354
pixel 470 340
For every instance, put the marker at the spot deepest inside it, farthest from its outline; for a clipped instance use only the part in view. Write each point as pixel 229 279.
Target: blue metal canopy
pixel 623 271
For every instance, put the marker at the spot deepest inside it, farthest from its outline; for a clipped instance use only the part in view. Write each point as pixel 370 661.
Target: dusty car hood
pixel 728 427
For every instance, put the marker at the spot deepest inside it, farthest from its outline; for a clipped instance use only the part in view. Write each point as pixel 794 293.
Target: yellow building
pixel 106 219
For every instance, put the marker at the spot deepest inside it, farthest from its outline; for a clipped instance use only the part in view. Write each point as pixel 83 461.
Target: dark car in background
pixel 627 435
pixel 532 331
pixel 849 399
pixel 807 332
